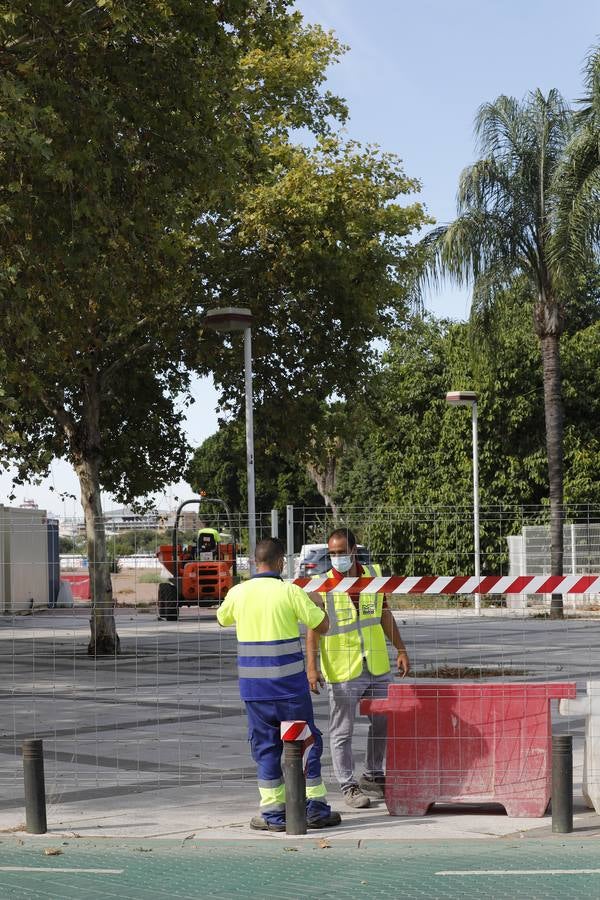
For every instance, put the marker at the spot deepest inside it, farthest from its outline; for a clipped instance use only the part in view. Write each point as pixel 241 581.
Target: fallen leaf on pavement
pixel 53 851
pixel 188 838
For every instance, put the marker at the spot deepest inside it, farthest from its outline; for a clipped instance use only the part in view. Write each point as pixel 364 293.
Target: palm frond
pixel 510 203
pixel 590 111
pixel 577 186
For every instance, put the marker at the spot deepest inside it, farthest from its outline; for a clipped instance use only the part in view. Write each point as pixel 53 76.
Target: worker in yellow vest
pixel 273 683
pixel 355 664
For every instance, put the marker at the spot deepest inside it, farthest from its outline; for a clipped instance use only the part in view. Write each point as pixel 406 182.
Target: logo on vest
pixel 368 606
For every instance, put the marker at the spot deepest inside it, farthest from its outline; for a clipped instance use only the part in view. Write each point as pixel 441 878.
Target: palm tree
pixel 507 218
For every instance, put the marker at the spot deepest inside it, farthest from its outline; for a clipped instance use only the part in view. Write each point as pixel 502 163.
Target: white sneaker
pixel 355 798
pixel 374 787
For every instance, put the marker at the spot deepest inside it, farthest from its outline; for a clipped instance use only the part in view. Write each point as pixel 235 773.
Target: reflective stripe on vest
pixel 270 648
pixel 334 626
pixel 263 664
pixel 282 671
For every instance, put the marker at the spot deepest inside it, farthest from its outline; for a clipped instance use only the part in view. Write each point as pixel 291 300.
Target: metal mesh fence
pixel 165 712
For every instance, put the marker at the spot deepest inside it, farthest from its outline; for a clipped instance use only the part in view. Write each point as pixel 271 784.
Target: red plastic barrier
pixel 469 743
pixel 80 585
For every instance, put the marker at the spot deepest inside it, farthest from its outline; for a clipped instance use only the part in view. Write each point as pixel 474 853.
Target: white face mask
pixel 342 563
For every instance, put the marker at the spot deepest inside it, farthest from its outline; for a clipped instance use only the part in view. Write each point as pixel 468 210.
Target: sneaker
pixel 374 787
pixel 258 823
pixel 329 821
pixel 355 798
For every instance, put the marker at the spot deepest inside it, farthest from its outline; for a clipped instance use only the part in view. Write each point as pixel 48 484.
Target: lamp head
pixel 461 398
pixel 228 318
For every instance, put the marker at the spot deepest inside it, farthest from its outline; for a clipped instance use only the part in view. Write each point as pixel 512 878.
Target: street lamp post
pixel 238 319
pixel 469 398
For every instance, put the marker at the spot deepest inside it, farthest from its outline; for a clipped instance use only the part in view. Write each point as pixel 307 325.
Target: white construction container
pixel 23 560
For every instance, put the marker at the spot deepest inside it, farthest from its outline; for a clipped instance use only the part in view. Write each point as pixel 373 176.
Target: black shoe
pixel 329 821
pixel 260 824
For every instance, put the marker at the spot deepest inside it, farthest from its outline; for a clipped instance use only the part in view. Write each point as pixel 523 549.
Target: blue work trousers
pixel 264 732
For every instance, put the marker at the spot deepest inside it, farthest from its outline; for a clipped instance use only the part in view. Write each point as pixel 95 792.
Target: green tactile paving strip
pixel 284 869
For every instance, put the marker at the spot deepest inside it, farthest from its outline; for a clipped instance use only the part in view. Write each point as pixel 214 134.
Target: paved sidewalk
pixel 224 812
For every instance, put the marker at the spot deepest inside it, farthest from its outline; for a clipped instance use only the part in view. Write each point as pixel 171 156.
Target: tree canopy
pixel 320 251
pixel 403 471
pixel 148 172
pixel 127 130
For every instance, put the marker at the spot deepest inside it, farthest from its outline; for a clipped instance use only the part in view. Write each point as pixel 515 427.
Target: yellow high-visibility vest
pixel 266 612
pixel 354 635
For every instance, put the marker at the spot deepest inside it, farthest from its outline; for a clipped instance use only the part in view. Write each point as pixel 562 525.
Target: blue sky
pixel 416 73
pixel 414 76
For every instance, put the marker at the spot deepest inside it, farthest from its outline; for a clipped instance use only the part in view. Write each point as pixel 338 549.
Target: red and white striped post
pixel 296 737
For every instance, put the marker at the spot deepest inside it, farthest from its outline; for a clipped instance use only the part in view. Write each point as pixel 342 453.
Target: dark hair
pixel 269 551
pixel 346 533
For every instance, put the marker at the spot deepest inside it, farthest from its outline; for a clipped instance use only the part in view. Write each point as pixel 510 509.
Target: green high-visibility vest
pixel 354 635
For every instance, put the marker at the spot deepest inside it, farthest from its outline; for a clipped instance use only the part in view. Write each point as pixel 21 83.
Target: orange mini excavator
pixel 202 572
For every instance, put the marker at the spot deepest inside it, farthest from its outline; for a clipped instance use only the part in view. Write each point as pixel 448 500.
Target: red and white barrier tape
pixel 458 584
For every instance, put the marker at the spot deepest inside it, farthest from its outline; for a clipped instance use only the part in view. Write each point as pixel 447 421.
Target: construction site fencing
pixel 165 710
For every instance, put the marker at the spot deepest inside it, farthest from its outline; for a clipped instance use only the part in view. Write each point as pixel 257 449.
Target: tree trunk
pixel 104 640
pixel 324 477
pixel 554 415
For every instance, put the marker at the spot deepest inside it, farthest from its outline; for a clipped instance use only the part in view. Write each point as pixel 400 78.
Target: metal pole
pixel 250 449
pixel 35 790
pixel 295 788
pixel 562 783
pixel 476 505
pixel 573 551
pixel 289 517
pixel 274 523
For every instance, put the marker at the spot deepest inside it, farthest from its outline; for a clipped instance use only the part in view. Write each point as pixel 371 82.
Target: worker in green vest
pixel 355 664
pixel 208 540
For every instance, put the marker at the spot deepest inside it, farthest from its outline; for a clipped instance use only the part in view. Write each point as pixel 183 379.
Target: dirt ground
pixel 129 588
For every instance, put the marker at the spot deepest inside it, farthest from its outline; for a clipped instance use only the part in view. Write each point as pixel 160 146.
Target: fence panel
pixel 165 713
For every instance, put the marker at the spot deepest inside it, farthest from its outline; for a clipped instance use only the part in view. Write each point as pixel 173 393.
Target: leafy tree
pixel 218 467
pixel 408 470
pixel 507 214
pixel 142 540
pixel 68 544
pixel 127 130
pixel 320 252
pixel 403 474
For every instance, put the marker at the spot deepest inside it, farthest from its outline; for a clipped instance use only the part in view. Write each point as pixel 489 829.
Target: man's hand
pixel 315 679
pixel 403 662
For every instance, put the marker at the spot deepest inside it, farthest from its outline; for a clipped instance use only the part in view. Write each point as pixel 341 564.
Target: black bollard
pixel 562 783
pixel 295 788
pixel 35 790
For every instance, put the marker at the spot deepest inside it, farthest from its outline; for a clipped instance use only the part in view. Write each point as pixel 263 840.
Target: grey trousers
pixel 343 701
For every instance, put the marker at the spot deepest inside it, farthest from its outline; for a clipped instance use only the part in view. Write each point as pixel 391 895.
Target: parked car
pixel 314 559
